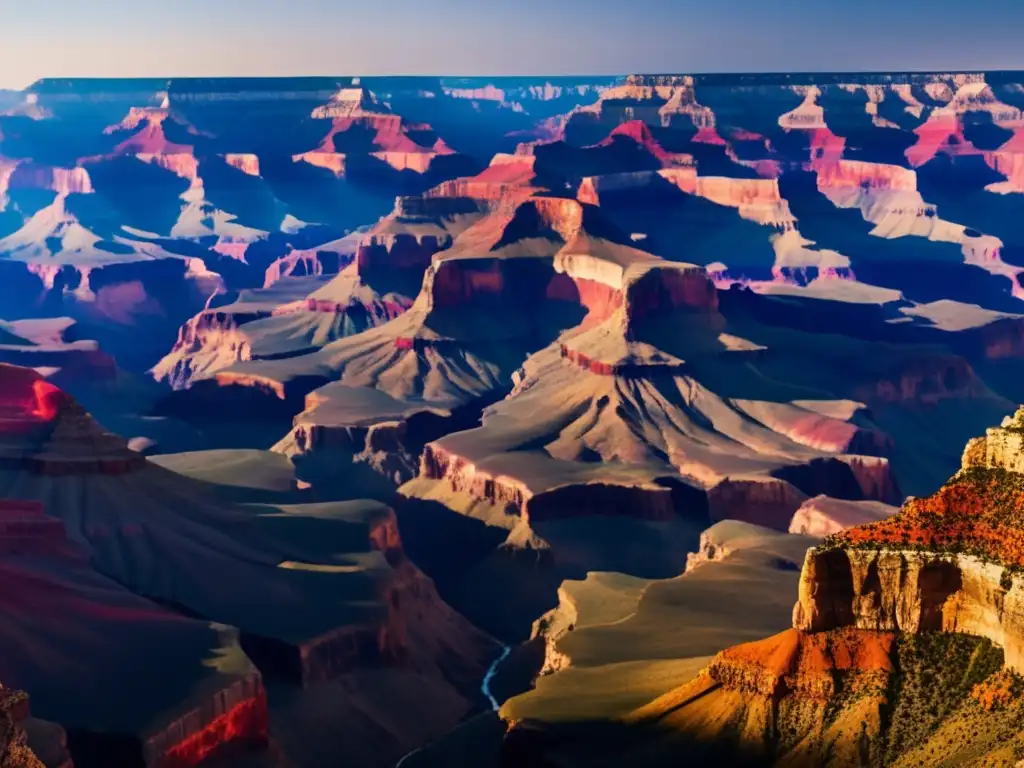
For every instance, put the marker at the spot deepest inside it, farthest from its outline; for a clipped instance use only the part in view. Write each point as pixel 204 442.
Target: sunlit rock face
pixel 822 516
pixel 956 570
pixel 912 592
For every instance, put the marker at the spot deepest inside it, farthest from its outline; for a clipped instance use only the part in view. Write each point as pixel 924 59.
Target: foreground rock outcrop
pixel 906 647
pixel 946 563
pixel 906 642
pixel 338 597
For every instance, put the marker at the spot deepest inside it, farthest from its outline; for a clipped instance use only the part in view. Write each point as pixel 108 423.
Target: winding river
pixel 485 686
pixel 485 689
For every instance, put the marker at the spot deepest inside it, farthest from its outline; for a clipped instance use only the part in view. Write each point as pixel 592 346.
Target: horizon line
pixel 552 75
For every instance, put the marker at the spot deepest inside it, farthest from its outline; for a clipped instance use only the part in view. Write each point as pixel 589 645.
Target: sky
pixel 164 38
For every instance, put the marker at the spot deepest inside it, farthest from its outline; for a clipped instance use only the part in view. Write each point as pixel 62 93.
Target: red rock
pixel 240 728
pixel 48 433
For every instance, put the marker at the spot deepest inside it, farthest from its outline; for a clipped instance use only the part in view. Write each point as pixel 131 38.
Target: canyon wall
pixel 642 500
pixel 912 591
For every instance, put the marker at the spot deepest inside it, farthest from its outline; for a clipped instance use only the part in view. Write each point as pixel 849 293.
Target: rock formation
pixel 823 516
pixel 920 606
pixel 341 618
pixel 357 118
pixel 943 563
pixel 604 388
pixel 575 319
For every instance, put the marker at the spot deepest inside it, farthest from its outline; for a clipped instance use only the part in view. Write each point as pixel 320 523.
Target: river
pixel 485 689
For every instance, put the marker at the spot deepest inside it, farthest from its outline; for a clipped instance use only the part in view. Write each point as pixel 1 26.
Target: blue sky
pixel 274 37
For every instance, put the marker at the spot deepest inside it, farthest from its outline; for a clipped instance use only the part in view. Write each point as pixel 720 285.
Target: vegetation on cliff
pixel 979 512
pixel 841 698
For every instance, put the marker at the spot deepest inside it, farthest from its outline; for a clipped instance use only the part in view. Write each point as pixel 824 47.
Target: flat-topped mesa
pixel 363 427
pixel 809 115
pixel 757 200
pixel 46 432
pixel 350 102
pixel 856 174
pixel 641 500
pixel 514 176
pixel 354 112
pixel 632 294
pixel 568 245
pixel 949 562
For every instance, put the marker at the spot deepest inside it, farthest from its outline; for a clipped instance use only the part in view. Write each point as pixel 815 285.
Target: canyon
pixel 505 418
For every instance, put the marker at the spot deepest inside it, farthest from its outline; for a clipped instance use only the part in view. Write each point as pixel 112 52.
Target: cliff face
pixel 399 251
pixel 552 627
pixel 63 181
pixel 1001 448
pixel 912 592
pixel 907 644
pixel 645 501
pixel 663 289
pixel 452 283
pixel 385 448
pixel 209 341
pixel 232 723
pixel 307 262
pixel 949 562
pixel 853 174
pixel 437 464
pixel 766 502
